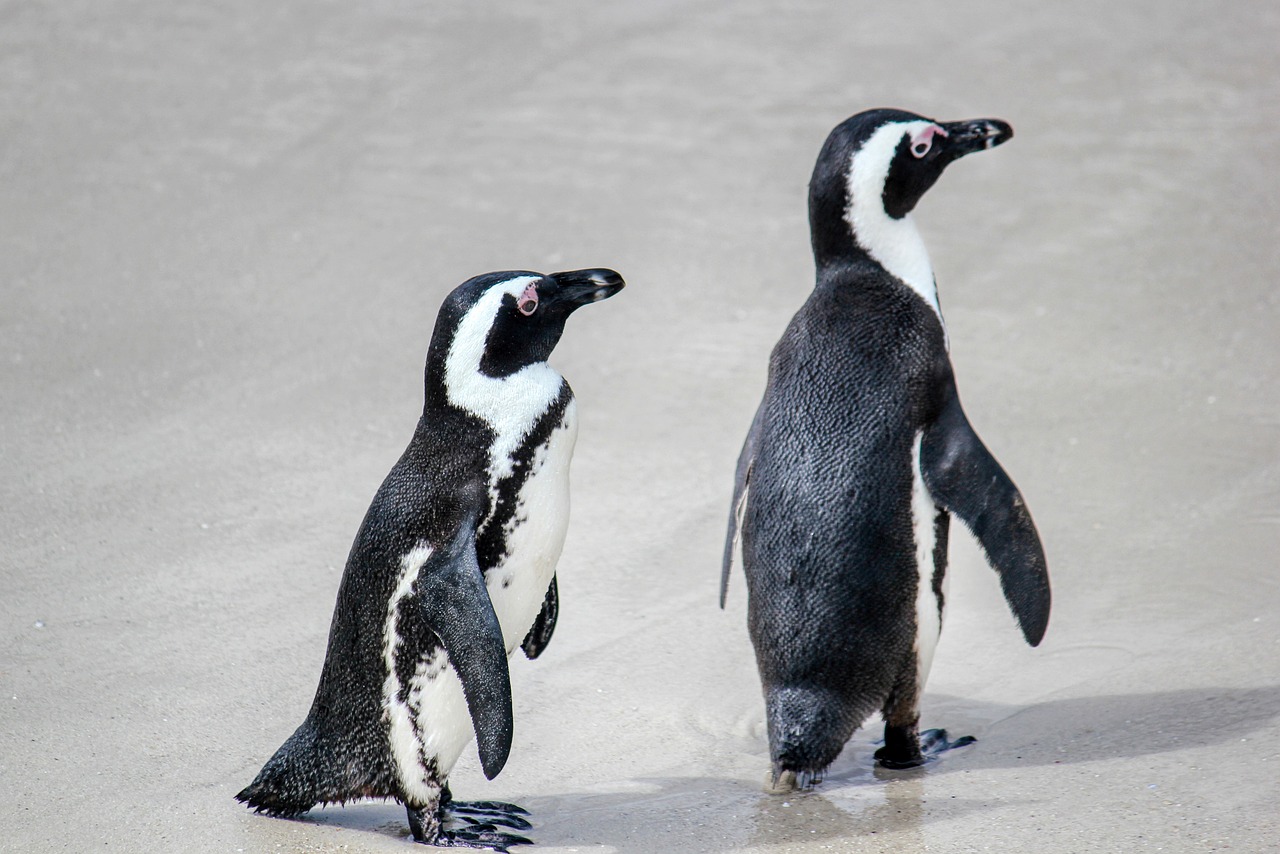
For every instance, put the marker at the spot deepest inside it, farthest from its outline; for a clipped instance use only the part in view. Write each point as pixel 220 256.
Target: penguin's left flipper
pixel 741 486
pixel 965 479
pixel 545 625
pixel 456 607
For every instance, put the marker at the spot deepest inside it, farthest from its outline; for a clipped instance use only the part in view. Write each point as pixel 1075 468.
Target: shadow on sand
pixel 720 814
pixel 1086 729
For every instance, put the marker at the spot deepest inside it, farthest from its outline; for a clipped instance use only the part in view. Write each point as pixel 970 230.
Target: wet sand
pixel 224 233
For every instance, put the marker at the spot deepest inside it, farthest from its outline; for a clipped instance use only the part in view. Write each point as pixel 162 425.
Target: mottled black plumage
pixel 418 574
pixel 859 420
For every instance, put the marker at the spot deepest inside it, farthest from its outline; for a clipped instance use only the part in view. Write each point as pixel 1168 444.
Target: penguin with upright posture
pixel 858 456
pixel 452 568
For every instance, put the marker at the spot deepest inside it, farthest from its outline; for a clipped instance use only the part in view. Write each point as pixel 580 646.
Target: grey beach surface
pixel 225 229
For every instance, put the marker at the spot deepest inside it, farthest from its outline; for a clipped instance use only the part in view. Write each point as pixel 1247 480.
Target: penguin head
pixel 874 168
pixel 503 322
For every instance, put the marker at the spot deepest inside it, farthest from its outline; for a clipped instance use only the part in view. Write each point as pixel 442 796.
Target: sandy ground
pixel 225 229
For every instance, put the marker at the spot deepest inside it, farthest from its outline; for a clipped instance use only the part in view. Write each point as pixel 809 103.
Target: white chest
pixel 534 533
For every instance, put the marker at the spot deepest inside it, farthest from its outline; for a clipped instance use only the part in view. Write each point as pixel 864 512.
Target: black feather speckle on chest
pixel 491 541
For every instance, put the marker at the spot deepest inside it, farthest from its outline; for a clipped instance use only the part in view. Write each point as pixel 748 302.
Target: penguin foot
pixel 905 750
pixel 427 826
pixel 478 813
pixel 896 762
pixel 934 742
pixel 485 836
pixel 787 781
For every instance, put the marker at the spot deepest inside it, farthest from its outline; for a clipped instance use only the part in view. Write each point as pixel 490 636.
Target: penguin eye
pixel 527 303
pixel 922 141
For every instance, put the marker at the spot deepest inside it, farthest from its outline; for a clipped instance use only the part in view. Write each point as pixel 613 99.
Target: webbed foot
pixel 904 749
pixel 934 742
pixel 476 824
pixel 478 813
pixel 485 836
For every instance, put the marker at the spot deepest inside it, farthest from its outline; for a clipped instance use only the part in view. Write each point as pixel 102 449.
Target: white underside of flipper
pixel 924 514
pixel 535 535
pixel 406 740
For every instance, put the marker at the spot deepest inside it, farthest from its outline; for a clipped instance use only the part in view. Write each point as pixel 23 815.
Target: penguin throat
pixel 894 244
pixel 510 405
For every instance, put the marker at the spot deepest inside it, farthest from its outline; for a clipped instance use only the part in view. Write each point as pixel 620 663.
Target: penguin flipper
pixel 455 605
pixel 741 485
pixel 966 479
pixel 545 626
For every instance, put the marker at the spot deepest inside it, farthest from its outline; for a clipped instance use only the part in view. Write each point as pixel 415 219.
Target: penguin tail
pixel 290 783
pixel 808 727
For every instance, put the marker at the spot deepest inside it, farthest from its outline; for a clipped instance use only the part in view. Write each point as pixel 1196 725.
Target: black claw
pixel 491 812
pixel 473 837
pixel 480 817
pixel 477 826
pixel 484 806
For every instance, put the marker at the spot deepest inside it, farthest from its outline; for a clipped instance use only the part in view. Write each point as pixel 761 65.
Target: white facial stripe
pixel 510 405
pixel 895 243
pixel 928 616
pixel 406 743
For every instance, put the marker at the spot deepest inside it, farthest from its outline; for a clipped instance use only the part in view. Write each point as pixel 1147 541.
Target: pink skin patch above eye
pixel 527 303
pixel 922 140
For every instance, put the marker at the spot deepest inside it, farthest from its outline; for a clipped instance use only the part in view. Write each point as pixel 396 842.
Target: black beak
pixel 975 135
pixel 580 287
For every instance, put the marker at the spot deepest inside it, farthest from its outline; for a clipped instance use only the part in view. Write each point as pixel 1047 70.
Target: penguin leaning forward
pixel 858 456
pixel 452 568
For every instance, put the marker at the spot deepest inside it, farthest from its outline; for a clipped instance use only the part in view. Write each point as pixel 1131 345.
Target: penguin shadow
pixel 857 799
pixel 1085 729
pixel 709 814
pixel 385 818
pixel 703 814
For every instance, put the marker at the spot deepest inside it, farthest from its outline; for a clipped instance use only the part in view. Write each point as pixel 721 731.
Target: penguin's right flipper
pixel 964 478
pixel 455 605
pixel 741 485
pixel 545 625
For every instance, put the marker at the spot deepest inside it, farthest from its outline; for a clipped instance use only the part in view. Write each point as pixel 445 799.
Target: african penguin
pixel 857 457
pixel 452 568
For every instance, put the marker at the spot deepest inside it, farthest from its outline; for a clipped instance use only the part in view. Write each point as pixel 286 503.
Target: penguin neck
pixel 896 245
pixel 509 405
pixel 849 224
pixel 906 259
